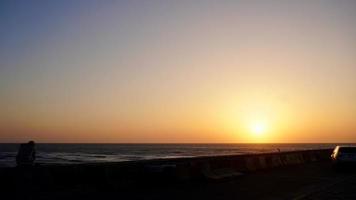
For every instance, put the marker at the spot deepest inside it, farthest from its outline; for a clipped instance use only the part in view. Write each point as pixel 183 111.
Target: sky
pixel 178 71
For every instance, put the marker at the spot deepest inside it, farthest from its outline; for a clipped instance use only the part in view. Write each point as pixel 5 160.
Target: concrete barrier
pixel 167 169
pixel 274 161
pixel 252 163
pixel 249 163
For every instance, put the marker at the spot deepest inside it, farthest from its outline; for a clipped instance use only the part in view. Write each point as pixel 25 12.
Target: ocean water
pixel 89 153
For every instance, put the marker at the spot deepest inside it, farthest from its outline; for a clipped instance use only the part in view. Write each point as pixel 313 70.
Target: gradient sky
pixel 177 71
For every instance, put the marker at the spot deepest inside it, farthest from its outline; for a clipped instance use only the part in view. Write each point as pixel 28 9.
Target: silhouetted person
pixel 26 155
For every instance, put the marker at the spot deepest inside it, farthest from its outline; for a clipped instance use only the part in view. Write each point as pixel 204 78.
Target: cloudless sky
pixel 177 71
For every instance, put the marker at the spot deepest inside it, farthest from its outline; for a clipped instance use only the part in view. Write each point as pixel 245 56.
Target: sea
pixel 91 153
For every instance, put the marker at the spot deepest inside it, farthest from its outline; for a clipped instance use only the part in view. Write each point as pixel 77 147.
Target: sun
pixel 258 128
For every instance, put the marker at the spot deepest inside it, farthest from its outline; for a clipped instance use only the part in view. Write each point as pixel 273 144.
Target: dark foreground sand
pixel 308 181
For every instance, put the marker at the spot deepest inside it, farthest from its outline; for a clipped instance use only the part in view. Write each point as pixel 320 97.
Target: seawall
pixel 181 169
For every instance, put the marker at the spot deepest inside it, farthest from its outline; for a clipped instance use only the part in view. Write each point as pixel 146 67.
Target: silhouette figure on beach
pixel 26 155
